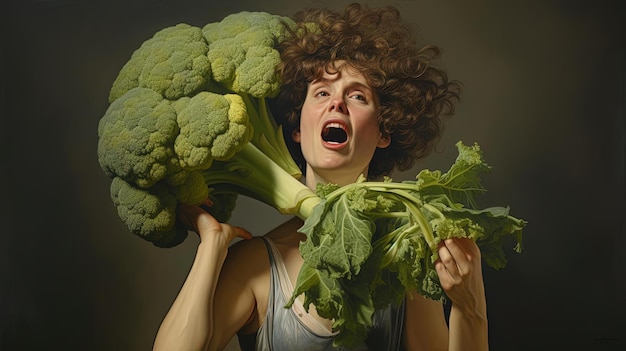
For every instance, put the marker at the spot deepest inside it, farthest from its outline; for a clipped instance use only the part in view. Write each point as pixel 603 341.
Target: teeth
pixel 336 125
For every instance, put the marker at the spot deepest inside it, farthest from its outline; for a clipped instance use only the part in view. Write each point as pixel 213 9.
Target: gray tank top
pixel 283 330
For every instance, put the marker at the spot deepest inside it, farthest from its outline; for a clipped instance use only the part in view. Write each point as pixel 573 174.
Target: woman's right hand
pixel 207 227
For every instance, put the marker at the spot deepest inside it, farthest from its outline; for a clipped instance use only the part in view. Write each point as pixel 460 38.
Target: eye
pixel 358 96
pixel 322 93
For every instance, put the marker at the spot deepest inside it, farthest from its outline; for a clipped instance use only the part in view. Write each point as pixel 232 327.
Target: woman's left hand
pixel 460 273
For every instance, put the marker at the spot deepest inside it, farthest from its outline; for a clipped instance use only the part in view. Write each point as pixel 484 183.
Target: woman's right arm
pixel 189 324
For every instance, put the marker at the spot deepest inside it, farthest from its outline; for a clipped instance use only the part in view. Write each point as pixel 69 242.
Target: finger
pixel 186 215
pixel 442 272
pixel 447 258
pixel 230 232
pixel 461 251
pixel 466 244
pixel 446 280
pixel 197 219
pixel 448 264
pixel 243 233
pixel 208 202
pixel 471 248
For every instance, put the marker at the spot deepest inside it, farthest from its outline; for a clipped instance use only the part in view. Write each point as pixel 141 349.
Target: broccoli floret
pixel 192 190
pixel 136 138
pixel 242 54
pixel 173 63
pixel 212 127
pixel 149 213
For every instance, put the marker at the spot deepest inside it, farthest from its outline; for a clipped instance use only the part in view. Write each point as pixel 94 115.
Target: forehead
pixel 340 69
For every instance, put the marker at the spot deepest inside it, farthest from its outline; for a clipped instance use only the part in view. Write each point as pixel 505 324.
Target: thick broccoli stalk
pixel 268 135
pixel 254 174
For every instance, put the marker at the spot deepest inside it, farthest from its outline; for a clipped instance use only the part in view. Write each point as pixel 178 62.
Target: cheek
pixel 369 130
pixel 305 128
pixel 307 122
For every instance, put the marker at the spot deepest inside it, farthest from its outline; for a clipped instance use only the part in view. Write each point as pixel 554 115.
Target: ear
pixel 295 135
pixel 384 141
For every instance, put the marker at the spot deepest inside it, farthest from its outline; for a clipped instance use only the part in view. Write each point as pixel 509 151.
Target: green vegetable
pixel 368 243
pixel 189 119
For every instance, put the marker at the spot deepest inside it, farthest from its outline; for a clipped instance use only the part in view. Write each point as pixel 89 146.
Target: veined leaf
pixel 462 182
pixel 341 242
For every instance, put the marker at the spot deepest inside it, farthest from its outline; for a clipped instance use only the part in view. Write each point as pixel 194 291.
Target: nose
pixel 337 104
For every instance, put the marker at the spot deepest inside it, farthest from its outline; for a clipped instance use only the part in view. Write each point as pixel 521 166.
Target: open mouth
pixel 335 133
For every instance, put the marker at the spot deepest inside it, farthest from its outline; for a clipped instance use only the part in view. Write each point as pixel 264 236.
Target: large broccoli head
pixel 189 96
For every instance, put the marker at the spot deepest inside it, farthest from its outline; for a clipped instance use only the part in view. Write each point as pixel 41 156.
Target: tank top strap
pixel 283 288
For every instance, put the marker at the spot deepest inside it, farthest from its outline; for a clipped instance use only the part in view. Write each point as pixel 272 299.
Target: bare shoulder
pixel 247 260
pixel 242 291
pixel 244 283
pixel 253 250
pixel 251 256
pixel 287 235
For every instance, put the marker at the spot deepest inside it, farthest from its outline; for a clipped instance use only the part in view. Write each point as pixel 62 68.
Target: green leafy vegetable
pixel 368 243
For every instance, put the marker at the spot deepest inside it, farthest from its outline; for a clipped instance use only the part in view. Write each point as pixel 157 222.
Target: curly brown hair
pixel 413 93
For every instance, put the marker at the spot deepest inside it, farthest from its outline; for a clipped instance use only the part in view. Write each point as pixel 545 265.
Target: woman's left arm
pixel 460 273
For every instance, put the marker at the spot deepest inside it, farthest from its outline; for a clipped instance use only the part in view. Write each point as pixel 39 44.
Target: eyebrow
pixel 351 83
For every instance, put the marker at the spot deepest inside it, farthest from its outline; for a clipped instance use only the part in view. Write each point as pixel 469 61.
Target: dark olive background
pixel 545 96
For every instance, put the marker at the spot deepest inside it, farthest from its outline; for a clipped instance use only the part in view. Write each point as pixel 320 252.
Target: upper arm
pixel 425 326
pixel 244 275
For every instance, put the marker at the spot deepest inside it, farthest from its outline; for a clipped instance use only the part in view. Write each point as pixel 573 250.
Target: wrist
pixel 475 311
pixel 212 247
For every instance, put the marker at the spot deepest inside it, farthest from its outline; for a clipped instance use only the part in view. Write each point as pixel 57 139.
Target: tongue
pixel 334 135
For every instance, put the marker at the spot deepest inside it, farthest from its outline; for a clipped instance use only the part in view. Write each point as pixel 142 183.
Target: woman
pixel 359 97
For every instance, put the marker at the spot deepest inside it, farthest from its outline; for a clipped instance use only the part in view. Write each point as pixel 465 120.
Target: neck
pixel 330 177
